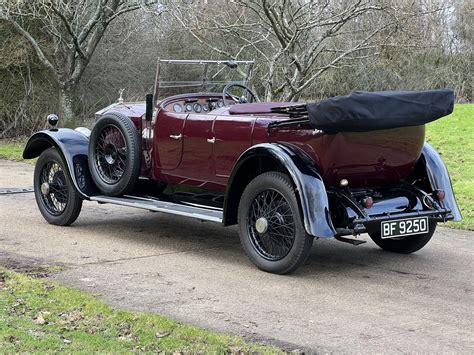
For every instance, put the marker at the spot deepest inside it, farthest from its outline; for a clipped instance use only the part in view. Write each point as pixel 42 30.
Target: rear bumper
pixel 372 223
pixel 399 201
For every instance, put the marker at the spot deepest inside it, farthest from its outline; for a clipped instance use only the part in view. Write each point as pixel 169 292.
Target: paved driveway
pixel 345 299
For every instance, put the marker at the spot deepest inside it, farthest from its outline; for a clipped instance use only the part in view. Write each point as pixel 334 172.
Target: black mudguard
pixel 73 146
pixel 308 182
pixel 438 177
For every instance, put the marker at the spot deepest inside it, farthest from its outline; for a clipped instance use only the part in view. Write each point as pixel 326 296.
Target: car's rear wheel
pixel 114 154
pixel 56 196
pixel 270 224
pixel 405 245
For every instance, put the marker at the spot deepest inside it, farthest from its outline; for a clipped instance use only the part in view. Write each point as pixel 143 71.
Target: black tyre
pixel 270 224
pixel 405 245
pixel 114 154
pixel 56 196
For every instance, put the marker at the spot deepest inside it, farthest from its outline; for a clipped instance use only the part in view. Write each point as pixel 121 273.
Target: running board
pixel 156 205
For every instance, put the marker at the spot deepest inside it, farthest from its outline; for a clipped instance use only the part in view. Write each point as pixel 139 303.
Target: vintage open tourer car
pixel 286 173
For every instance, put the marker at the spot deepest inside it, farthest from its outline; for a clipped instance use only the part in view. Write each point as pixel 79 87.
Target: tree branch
pixel 70 31
pixel 91 23
pixel 35 45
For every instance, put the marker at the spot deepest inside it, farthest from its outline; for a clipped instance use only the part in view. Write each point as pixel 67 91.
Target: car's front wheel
pixel 270 224
pixel 56 196
pixel 405 245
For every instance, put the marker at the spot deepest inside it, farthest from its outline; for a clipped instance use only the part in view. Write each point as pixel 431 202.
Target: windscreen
pixel 176 77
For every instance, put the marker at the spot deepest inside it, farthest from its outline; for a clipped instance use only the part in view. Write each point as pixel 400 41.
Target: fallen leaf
pixel 67 341
pixel 125 337
pixel 12 338
pixel 162 334
pixel 39 319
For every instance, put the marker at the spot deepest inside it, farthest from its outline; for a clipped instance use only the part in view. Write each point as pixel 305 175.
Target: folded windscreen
pixel 368 111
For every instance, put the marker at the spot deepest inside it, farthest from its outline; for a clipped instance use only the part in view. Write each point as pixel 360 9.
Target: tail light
pixel 368 202
pixel 439 195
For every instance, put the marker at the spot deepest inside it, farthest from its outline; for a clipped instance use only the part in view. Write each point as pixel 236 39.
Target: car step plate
pixel 212 215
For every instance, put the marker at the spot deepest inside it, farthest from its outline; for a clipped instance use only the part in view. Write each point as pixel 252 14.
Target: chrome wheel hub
pixel 45 188
pixel 261 225
pixel 110 154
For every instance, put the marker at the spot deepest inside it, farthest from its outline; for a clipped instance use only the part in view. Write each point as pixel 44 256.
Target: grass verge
pixel 39 315
pixel 12 150
pixel 453 137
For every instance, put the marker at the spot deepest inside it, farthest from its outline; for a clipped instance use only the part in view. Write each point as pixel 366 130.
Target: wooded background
pixel 73 56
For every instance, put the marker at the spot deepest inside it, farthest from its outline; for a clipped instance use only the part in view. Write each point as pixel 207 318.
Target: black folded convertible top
pixel 368 111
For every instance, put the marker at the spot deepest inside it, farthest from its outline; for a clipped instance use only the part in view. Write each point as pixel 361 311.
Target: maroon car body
pixel 365 159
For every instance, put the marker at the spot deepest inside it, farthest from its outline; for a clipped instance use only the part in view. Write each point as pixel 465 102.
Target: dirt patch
pixel 35 268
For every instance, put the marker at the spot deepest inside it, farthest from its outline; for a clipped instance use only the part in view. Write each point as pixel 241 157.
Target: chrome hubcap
pixel 110 154
pixel 261 225
pixel 45 188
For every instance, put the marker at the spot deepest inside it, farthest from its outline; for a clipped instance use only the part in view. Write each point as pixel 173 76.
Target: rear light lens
pixel 368 202
pixel 439 195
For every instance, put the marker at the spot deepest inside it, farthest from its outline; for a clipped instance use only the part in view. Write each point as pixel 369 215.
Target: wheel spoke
pixel 56 194
pixel 111 154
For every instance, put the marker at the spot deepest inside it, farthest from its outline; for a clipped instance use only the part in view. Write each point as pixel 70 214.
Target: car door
pixel 233 135
pixel 168 139
pixel 196 165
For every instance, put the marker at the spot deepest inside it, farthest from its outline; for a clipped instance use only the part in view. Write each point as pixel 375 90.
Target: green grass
pixel 11 150
pixel 39 315
pixel 453 137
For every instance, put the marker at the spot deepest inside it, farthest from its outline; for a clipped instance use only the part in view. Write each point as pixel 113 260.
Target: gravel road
pixel 345 299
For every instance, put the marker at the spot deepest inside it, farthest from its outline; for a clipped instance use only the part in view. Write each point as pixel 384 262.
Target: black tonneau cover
pixel 368 111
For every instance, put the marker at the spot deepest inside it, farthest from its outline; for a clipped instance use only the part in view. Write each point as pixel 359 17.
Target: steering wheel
pixel 246 97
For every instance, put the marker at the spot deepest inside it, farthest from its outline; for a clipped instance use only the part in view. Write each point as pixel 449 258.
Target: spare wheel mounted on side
pixel 114 154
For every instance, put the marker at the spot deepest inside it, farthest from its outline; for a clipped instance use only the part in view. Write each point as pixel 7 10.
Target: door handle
pixel 176 136
pixel 211 140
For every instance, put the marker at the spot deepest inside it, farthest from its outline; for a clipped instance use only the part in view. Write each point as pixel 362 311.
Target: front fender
pixel 438 177
pixel 73 146
pixel 308 182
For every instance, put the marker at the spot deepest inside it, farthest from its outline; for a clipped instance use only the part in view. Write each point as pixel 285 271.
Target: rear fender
pixel 73 146
pixel 308 182
pixel 438 177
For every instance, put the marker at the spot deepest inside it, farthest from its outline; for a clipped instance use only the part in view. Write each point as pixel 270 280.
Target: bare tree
pixel 65 35
pixel 296 41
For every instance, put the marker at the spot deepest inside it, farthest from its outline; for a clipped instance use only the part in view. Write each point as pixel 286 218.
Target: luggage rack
pixel 298 115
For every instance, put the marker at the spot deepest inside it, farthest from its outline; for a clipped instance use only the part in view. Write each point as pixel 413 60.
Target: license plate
pixel 404 227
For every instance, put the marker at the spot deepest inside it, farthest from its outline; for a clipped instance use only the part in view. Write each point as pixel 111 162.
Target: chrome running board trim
pixel 163 206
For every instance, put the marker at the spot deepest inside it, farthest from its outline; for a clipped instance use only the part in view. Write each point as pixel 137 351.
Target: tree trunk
pixel 66 111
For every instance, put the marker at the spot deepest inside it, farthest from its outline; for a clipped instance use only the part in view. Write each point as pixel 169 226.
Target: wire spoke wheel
pixel 271 225
pixel 53 188
pixel 111 154
pixel 56 196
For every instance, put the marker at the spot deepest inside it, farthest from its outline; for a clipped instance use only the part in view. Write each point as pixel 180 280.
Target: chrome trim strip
pixel 163 206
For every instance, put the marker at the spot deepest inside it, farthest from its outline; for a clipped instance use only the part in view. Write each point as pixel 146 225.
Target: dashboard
pixel 194 105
